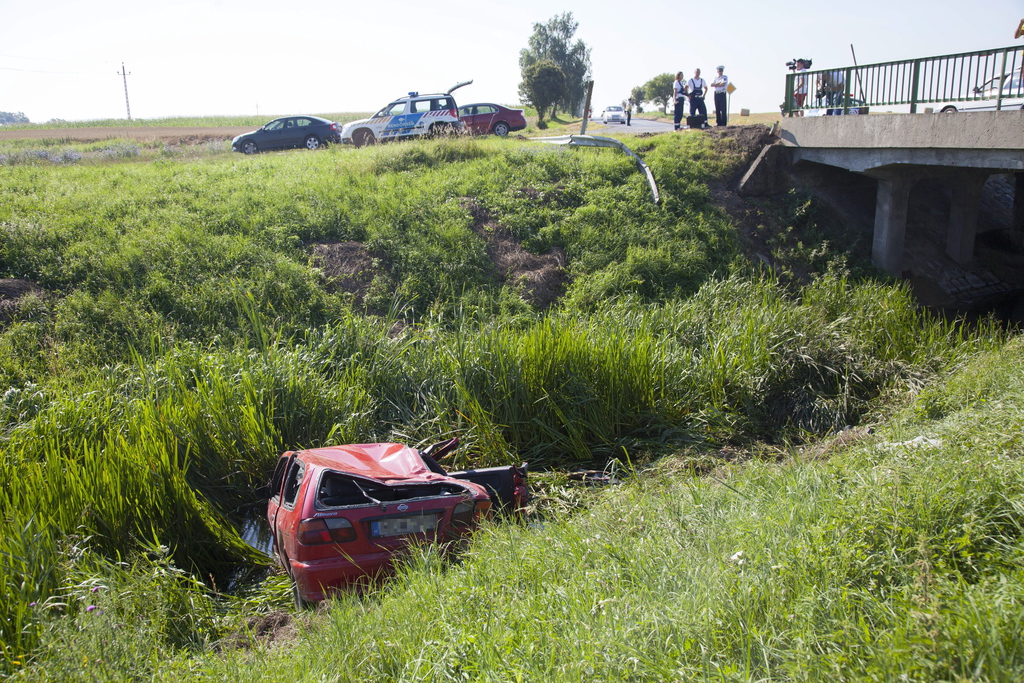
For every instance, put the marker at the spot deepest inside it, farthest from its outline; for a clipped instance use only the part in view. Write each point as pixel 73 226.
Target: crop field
pixel 813 478
pixel 172 135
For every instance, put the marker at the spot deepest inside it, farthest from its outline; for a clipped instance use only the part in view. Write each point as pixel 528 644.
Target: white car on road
pixel 613 114
pixel 407 117
pixel 1013 96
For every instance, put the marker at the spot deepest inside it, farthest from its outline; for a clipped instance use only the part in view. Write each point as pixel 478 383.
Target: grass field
pixel 177 319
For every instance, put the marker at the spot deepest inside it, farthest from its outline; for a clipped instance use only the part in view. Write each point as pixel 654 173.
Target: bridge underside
pixel 900 150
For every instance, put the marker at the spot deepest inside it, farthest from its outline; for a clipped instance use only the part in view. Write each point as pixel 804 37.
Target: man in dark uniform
pixel 698 88
pixel 678 99
pixel 721 86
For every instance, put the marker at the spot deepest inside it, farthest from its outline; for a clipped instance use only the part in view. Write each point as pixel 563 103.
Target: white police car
pixel 407 117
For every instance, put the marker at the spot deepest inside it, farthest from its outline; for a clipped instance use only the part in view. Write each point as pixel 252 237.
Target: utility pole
pixel 586 108
pixel 124 74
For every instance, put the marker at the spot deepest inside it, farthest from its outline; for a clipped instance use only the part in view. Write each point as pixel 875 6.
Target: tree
pixel 543 84
pixel 11 117
pixel 659 89
pixel 639 96
pixel 553 41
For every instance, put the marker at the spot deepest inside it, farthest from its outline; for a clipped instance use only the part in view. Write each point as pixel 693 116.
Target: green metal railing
pixel 988 75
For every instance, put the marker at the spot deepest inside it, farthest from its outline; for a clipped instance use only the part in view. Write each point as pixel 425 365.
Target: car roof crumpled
pixel 382 461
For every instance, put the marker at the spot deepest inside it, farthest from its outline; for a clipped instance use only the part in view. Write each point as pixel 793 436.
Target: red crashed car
pixel 484 118
pixel 342 514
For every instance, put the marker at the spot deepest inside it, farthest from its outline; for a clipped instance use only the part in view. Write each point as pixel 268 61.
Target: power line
pixel 40 71
pixel 48 60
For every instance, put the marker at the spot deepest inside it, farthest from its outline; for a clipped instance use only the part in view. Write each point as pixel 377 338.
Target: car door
pixel 402 120
pixel 303 127
pixel 466 115
pixel 272 135
pixel 484 118
pixel 286 518
pixel 292 133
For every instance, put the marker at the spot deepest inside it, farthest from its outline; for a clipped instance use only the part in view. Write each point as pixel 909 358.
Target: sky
pixel 62 60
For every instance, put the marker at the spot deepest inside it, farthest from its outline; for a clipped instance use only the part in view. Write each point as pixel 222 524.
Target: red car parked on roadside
pixel 484 117
pixel 342 514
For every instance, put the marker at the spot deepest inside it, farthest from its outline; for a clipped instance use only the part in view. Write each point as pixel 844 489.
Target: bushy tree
pixel 638 96
pixel 554 41
pixel 543 84
pixel 659 89
pixel 10 117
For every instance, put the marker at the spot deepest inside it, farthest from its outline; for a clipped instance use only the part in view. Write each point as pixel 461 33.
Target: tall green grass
pixel 168 453
pixel 889 559
pixel 131 251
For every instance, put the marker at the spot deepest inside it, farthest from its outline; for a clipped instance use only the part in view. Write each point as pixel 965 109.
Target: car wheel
pixel 948 110
pixel 249 147
pixel 441 130
pixel 501 129
pixel 361 138
pixel 297 599
pixel 312 142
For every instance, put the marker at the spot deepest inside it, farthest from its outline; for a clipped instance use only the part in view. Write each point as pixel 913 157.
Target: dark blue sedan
pixel 288 132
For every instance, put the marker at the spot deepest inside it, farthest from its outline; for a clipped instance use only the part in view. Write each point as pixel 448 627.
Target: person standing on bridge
pixel 800 94
pixel 1020 34
pixel 721 85
pixel 678 98
pixel 698 88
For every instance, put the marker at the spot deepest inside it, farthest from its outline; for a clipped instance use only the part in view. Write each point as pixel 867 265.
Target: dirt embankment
pixel 11 292
pixel 349 267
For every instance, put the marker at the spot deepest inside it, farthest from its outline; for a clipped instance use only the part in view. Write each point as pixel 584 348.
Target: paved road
pixel 637 125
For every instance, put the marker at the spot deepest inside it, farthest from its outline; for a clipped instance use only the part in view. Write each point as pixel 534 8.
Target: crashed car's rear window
pixel 340 490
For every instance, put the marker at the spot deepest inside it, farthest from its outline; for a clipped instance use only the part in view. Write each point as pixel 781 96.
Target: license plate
pixel 399 526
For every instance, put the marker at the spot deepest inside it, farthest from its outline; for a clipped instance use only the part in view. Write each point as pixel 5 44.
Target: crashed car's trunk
pixel 505 485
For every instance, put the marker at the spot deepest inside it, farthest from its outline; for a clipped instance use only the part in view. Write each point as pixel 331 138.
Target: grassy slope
pixel 653 352
pixel 884 558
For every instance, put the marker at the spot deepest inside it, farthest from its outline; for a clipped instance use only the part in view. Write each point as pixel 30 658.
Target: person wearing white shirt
pixel 721 85
pixel 678 98
pixel 834 88
pixel 698 88
pixel 800 94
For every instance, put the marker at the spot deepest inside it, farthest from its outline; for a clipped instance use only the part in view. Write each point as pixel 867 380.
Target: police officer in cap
pixel 721 86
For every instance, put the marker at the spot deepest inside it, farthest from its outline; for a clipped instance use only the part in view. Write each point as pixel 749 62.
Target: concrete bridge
pixel 900 149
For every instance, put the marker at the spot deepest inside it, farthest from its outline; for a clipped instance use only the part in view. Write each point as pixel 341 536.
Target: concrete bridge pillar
pixel 1018 202
pixel 890 221
pixel 963 214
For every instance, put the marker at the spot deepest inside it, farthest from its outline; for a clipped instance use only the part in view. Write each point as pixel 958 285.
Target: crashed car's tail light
pixel 463 513
pixel 330 530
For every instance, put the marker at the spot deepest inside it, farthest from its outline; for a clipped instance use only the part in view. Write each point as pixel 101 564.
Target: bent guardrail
pixel 600 141
pixel 993 75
